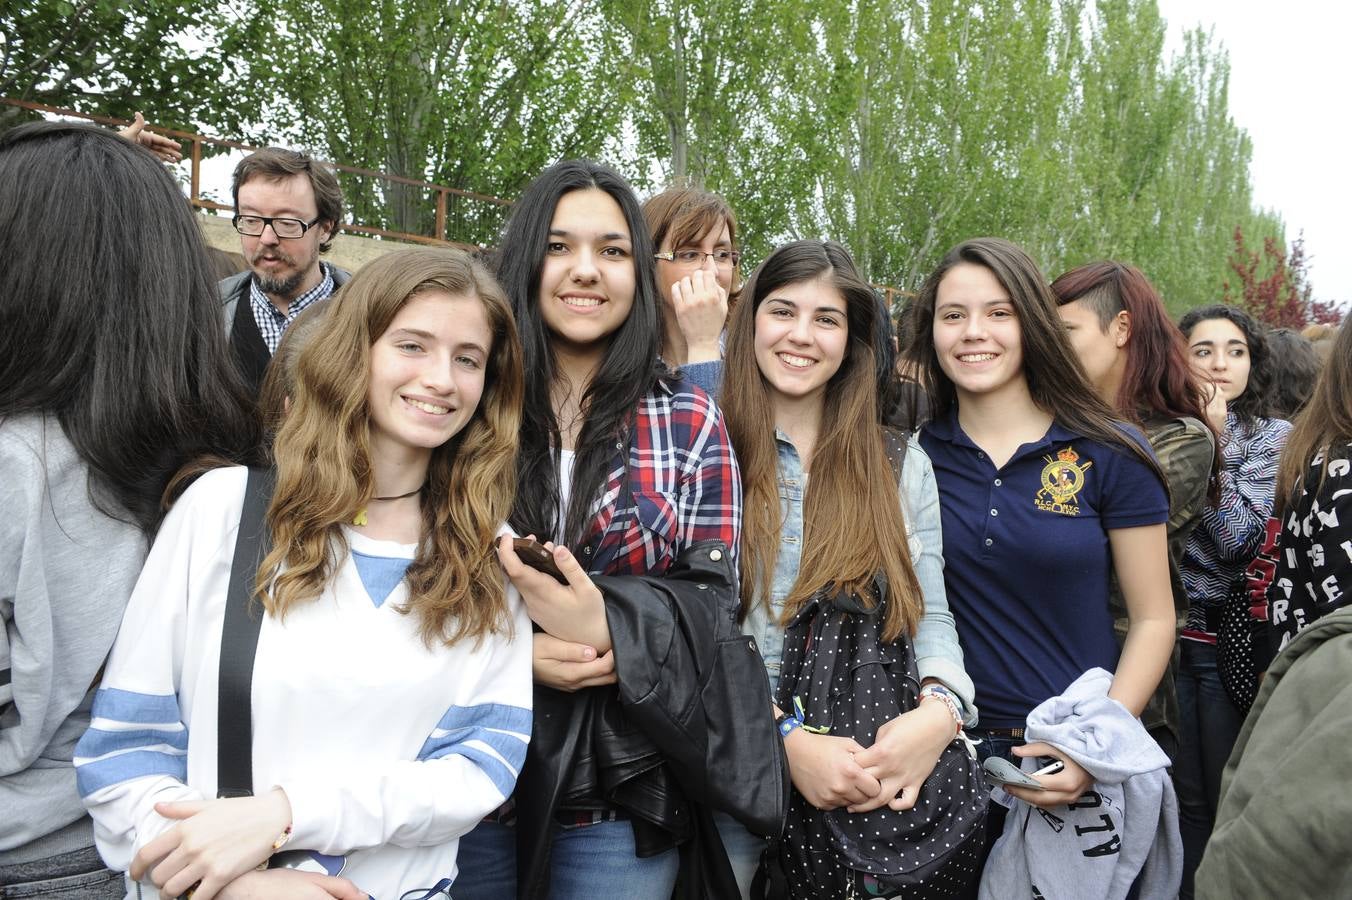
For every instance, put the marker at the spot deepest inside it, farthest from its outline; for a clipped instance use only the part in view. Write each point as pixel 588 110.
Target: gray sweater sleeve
pixel 66 572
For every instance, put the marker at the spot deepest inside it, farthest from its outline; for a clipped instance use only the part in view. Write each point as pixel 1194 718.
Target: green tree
pixel 170 60
pixel 476 95
pixel 701 76
pixel 899 128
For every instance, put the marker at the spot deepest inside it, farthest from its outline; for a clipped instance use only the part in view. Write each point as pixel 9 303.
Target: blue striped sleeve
pixel 140 709
pixel 491 735
pixel 131 735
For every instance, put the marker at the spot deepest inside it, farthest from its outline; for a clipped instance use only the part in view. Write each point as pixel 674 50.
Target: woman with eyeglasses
pixel 695 236
pixel 624 468
pixel 390 698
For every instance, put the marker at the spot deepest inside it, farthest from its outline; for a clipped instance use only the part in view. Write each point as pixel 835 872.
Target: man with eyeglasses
pixel 288 207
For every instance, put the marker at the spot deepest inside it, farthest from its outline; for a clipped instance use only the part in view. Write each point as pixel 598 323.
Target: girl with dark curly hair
pixel 1229 349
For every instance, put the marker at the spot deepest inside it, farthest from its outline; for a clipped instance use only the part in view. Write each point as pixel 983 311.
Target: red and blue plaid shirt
pixel 685 486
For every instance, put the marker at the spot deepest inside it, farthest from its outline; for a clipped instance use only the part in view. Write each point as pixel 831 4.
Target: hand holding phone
pixel 1001 771
pixel 533 553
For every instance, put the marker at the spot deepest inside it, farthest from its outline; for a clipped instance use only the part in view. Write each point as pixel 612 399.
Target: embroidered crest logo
pixel 1062 480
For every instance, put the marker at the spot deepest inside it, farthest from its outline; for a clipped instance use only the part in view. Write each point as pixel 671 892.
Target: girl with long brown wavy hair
pixel 822 513
pixel 391 685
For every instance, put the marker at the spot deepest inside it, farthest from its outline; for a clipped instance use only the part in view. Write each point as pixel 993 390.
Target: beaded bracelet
pixel 944 696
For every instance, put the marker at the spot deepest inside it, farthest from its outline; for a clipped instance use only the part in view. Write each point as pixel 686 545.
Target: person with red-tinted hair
pixel 1136 359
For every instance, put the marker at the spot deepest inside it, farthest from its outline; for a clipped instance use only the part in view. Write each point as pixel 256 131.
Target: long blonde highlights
pixel 323 456
pixel 853 525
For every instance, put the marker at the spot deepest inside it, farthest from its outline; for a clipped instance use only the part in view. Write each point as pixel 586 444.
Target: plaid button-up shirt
pixel 271 322
pixel 685 486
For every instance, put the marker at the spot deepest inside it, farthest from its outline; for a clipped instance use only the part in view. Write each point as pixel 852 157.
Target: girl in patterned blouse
pixel 1229 349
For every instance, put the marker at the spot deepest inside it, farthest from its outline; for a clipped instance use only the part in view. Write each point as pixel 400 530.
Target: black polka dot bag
pixel 845 678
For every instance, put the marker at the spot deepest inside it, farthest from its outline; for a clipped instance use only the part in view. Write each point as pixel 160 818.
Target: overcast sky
pixel 1289 80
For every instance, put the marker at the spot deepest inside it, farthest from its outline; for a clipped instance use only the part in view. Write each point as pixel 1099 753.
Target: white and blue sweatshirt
pixel 388 750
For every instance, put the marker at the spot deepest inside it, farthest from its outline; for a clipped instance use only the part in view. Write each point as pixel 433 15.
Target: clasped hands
pixel 831 772
pixel 217 846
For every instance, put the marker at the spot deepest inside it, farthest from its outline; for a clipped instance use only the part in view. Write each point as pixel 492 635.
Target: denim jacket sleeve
pixel 707 375
pixel 938 653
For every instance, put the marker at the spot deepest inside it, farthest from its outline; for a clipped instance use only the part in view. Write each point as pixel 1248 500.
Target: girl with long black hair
pixel 113 374
pixel 624 467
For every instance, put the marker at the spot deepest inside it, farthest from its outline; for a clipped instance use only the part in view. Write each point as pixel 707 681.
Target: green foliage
pixel 476 95
pixel 899 127
pixel 114 58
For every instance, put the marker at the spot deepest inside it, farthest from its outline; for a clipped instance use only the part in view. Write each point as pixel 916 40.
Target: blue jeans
pixel 78 875
pixel 1209 725
pixel 987 747
pixel 587 862
pixel 744 850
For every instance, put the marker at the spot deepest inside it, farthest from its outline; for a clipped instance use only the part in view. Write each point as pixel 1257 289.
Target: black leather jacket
pixel 686 730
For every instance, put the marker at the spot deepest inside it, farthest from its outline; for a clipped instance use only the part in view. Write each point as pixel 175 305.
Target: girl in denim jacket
pixel 801 400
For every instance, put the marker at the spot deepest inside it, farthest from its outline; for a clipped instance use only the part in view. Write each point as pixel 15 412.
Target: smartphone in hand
pixel 534 554
pixel 1001 771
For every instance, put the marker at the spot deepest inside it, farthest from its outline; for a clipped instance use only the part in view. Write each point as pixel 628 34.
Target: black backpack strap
pixel 894 445
pixel 239 642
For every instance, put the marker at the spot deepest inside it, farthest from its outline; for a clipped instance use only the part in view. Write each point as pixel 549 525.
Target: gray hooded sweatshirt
pixel 66 571
pixel 1124 826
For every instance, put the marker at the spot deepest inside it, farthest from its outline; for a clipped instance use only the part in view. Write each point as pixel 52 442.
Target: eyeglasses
pixel 723 259
pixel 286 229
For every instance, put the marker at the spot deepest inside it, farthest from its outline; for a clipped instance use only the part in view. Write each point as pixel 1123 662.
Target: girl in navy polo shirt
pixel 1044 497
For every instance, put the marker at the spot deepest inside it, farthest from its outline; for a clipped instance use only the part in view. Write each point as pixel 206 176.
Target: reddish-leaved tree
pixel 1275 288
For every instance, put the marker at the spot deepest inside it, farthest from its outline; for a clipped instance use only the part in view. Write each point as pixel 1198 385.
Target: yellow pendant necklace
pixel 360 517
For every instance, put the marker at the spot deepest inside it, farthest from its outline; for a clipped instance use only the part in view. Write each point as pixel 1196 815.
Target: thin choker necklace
pixel 402 496
pixel 360 517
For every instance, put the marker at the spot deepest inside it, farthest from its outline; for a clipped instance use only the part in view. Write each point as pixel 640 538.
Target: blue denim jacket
pixel 938 654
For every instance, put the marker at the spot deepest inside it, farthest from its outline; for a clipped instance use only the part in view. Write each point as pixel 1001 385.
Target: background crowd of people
pixel 593 568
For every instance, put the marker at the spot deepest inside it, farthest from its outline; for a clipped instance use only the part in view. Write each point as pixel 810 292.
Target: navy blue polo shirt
pixel 1027 559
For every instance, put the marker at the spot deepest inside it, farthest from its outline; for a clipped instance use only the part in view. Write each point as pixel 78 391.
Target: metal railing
pixel 447 200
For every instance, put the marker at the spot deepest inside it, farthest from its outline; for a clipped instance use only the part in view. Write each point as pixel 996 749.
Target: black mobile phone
pixel 534 554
